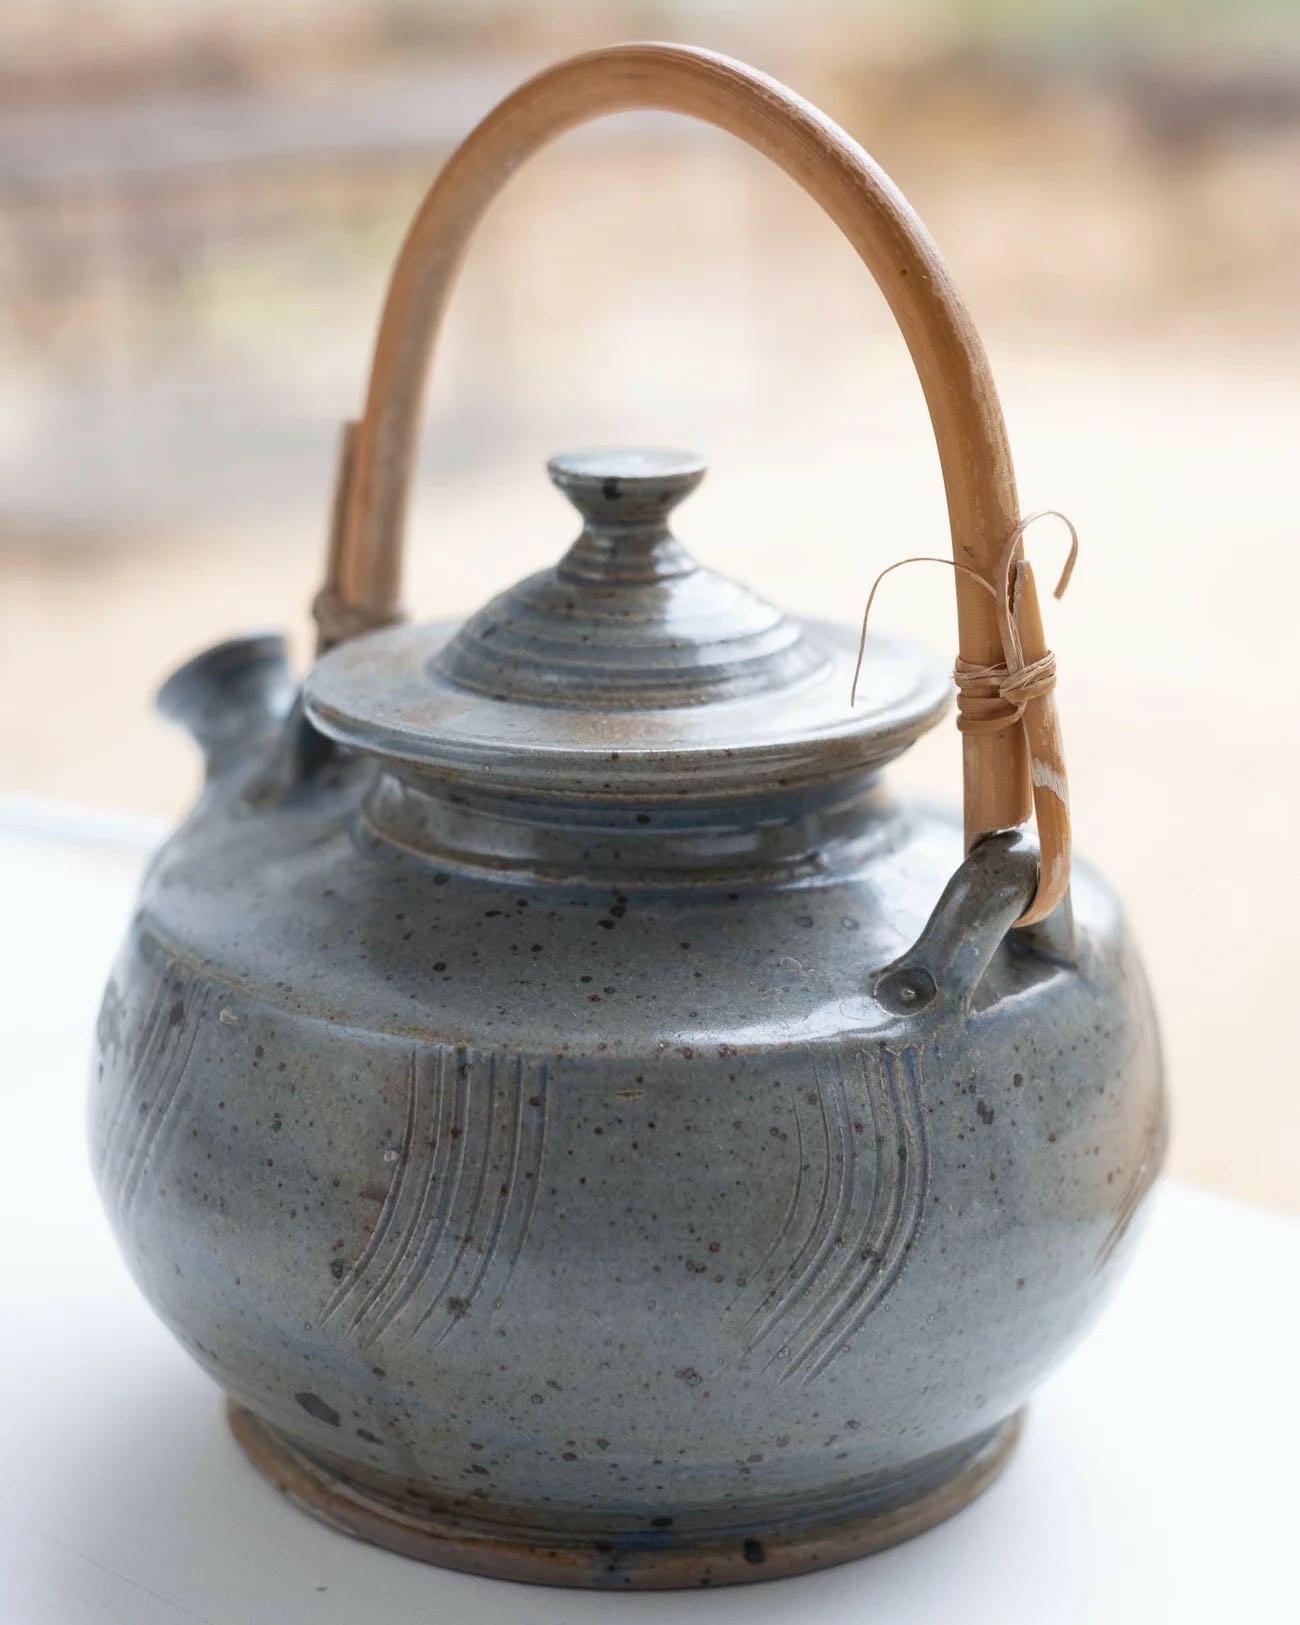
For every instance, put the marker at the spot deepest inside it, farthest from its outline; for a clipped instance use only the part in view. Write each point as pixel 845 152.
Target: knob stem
pixel 625 495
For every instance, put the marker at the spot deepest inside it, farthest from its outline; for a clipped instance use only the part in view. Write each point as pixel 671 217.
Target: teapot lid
pixel 626 669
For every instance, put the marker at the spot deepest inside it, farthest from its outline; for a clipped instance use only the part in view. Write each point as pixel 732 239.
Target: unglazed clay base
pixel 648 1560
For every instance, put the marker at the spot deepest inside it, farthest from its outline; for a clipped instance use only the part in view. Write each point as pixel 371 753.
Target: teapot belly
pixel 788 1284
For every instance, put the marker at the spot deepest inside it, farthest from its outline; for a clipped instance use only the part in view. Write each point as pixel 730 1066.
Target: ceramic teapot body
pixel 542 1089
pixel 613 1220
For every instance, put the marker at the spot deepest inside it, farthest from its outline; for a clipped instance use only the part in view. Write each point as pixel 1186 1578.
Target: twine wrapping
pixel 990 698
pixel 993 697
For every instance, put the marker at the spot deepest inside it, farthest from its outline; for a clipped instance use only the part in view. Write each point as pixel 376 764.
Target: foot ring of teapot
pixel 653 1559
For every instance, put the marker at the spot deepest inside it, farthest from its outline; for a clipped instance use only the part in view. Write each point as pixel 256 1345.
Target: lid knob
pixel 626 485
pixel 625 495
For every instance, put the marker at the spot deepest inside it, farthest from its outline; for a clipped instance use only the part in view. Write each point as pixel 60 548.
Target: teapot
pixel 593 1131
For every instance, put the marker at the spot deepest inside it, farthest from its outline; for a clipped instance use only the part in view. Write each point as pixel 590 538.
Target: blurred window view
pixel 199 207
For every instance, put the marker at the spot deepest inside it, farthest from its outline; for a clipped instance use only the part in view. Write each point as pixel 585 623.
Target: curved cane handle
pixel 362 587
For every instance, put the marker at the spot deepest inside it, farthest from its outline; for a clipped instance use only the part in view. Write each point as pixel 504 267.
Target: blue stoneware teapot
pixel 593 1131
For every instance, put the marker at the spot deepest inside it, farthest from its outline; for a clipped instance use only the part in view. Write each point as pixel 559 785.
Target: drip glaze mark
pixel 855 1248
pixel 442 1175
pixel 831 1233
pixel 142 1118
pixel 384 1221
pixel 533 1167
pixel 760 1273
pixel 157 1135
pixel 428 1147
pixel 505 1193
pixel 467 1224
pixel 461 1200
pixel 153 1029
pixel 850 1301
pixel 796 1265
pixel 1154 1138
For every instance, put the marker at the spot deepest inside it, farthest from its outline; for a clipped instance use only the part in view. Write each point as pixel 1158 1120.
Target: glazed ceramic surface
pixel 591 1128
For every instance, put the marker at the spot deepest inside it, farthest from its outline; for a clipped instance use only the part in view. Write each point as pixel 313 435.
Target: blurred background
pixel 199 203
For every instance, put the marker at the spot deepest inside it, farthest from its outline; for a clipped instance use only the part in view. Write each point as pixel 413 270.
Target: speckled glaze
pixel 628 1163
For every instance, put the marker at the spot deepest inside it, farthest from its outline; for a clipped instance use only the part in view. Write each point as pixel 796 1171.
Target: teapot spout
pixel 231 697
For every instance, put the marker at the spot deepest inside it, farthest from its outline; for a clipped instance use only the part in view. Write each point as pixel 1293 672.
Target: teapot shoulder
pixel 297 908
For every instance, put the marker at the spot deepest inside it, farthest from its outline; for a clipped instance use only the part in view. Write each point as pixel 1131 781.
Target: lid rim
pixel 616 767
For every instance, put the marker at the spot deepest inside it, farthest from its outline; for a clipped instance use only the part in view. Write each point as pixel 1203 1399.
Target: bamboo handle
pixel 363 582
